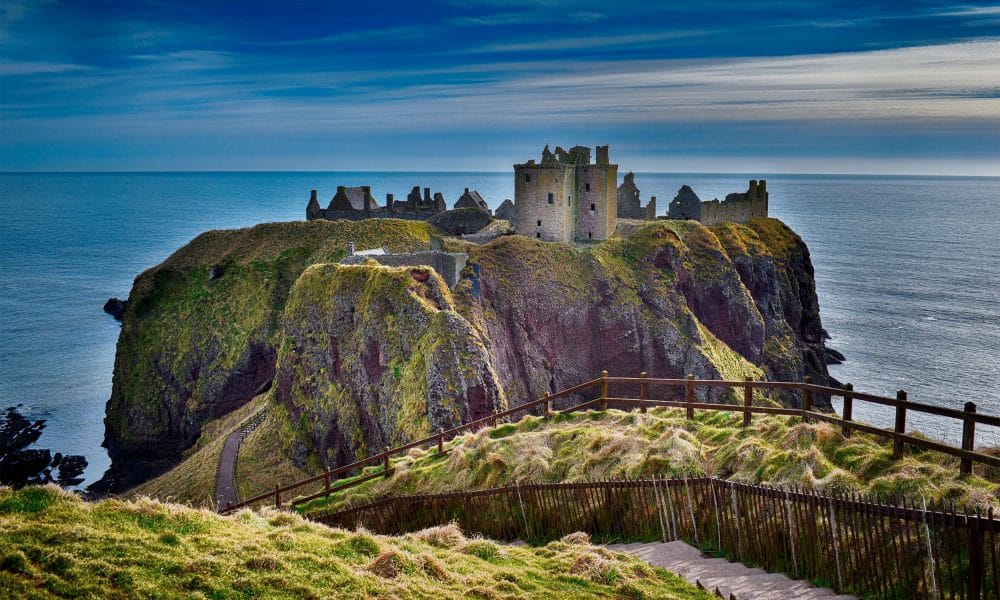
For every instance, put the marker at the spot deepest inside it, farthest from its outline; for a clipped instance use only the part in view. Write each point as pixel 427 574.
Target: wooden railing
pixel 604 400
pixel 855 544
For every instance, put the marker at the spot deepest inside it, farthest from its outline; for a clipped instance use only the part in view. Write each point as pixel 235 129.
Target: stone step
pixel 729 580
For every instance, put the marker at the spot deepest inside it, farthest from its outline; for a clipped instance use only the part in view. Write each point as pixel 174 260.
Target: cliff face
pixel 375 356
pixel 671 299
pixel 199 335
pixel 369 356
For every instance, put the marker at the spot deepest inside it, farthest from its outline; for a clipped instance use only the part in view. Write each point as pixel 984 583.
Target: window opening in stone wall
pixel 590 235
pixel 588 187
pixel 551 198
pixel 593 207
pixel 538 235
pixel 527 177
pixel 539 223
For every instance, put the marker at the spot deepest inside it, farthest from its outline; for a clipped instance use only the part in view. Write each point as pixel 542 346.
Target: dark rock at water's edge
pixel 834 357
pixel 17 432
pixel 116 308
pixel 20 467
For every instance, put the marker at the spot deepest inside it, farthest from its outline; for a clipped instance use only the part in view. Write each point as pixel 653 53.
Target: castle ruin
pixel 629 203
pixel 565 197
pixel 737 207
pixel 357 203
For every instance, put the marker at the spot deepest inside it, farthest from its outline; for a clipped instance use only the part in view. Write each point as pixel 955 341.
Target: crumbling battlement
pixel 357 203
pixel 738 207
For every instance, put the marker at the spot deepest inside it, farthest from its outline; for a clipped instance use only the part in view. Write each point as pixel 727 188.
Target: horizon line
pixel 477 171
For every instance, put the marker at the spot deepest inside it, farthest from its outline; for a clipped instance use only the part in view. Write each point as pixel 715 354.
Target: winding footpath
pixel 225 477
pixel 729 580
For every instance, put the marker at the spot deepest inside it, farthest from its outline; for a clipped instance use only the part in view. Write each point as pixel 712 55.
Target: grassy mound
pixel 53 544
pixel 593 445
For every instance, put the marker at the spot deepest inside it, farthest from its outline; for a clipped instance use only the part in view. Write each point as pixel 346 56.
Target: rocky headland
pixel 366 356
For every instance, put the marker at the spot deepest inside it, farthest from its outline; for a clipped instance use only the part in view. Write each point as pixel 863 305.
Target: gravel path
pixel 729 580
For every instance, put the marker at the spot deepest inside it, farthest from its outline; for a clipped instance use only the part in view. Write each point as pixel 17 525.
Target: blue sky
pixel 769 86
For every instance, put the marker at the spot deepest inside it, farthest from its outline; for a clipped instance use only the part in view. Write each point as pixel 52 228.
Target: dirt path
pixel 730 580
pixel 225 478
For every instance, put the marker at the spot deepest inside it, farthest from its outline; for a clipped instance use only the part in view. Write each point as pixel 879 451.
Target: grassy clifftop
pixel 54 545
pixel 594 445
pixel 200 332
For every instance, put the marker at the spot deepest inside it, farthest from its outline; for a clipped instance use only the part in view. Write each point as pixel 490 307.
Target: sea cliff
pixel 366 356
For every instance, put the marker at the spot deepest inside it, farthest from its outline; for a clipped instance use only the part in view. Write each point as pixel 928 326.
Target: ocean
pixel 907 272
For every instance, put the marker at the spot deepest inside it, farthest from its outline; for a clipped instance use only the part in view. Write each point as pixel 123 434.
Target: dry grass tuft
pixel 443 536
pixel 388 565
pixel 578 537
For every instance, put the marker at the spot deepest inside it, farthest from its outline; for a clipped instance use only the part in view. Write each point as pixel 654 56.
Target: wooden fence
pixel 324 484
pixel 854 544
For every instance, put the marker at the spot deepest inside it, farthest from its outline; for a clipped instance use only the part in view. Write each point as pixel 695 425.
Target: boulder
pixel 116 308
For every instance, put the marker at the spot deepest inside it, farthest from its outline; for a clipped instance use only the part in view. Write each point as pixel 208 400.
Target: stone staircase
pixel 729 580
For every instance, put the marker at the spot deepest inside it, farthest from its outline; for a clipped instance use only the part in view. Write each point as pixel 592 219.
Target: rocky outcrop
pixel 377 356
pixel 20 466
pixel 200 332
pixel 116 308
pixel 366 356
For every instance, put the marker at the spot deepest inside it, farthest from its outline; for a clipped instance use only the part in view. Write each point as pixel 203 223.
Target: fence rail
pixel 852 543
pixel 690 385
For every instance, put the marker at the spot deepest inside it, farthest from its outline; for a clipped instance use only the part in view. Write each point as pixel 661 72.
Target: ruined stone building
pixel 738 207
pixel 472 200
pixel 357 203
pixel 565 197
pixel 505 211
pixel 629 203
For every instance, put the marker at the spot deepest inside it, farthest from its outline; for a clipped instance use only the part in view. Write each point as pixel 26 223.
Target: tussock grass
pixel 593 445
pixel 52 544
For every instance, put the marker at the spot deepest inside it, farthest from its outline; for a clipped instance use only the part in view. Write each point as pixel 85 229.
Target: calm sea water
pixel 908 272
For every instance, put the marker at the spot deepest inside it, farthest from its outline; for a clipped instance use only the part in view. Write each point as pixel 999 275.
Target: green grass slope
pixel 54 545
pixel 592 445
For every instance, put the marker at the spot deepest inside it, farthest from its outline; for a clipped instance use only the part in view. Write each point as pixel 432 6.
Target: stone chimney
pixel 427 195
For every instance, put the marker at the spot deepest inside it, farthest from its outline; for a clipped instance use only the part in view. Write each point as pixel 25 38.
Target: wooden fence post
pixel 326 481
pixel 440 443
pixel 968 436
pixel 643 392
pixel 747 401
pixel 897 442
pixel 807 398
pixel 977 564
pixel 689 395
pixel 545 413
pixel 604 390
pixel 385 462
pixel 848 407
pixel 277 496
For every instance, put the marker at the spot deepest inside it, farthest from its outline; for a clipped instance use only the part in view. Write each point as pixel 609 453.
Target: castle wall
pixel 448 265
pixel 596 201
pixel 534 216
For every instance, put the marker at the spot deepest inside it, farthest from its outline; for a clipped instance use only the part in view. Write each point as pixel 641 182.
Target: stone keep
pixel 565 197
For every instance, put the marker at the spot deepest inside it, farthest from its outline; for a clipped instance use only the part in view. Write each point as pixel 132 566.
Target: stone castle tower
pixel 565 197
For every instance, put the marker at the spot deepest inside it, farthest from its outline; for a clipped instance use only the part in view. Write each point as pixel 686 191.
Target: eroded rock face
pixel 377 356
pixel 675 298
